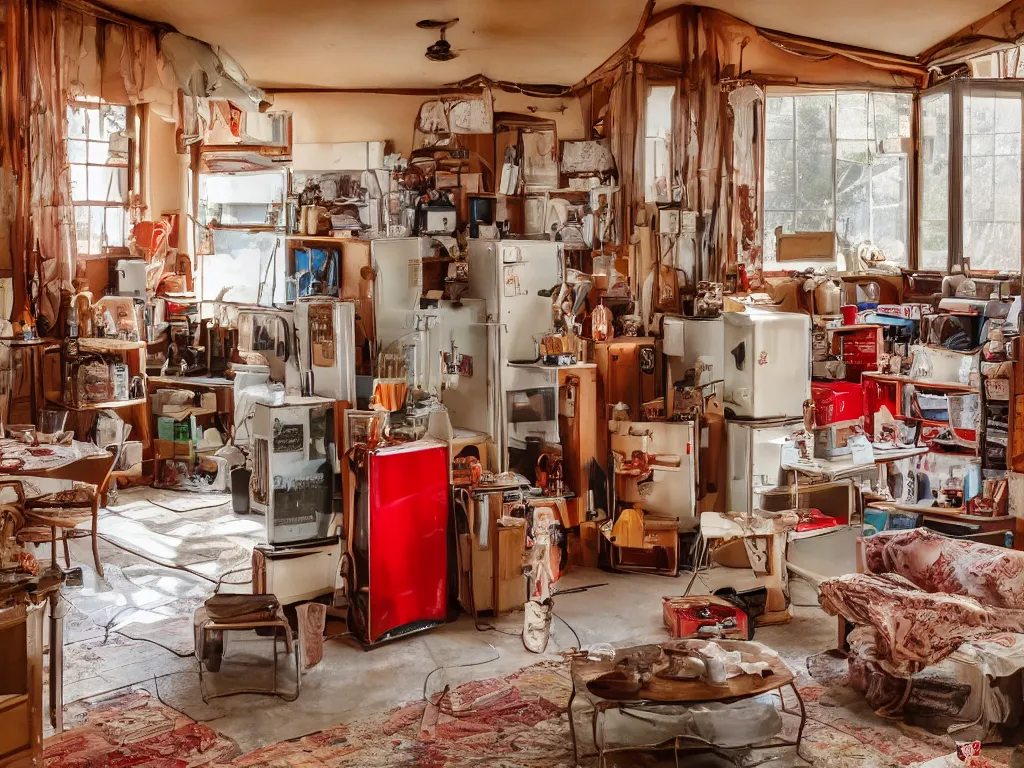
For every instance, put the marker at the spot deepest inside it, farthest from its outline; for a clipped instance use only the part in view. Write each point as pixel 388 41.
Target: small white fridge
pixel 670 492
pixel 767 364
pixel 689 339
pixel 326 333
pixel 755 459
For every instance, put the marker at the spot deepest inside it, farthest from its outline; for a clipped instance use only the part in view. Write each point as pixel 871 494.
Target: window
pixel 658 143
pixel 992 178
pixel 99 150
pixel 933 230
pixel 836 161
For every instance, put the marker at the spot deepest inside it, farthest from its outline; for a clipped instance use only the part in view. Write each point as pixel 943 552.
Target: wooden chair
pixel 66 510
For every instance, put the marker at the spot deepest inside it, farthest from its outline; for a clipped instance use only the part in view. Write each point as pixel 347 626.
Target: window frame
pixel 669 141
pixel 132 167
pixel 957 90
pixel 910 193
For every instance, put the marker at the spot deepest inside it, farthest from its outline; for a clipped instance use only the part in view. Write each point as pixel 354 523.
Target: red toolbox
pixel 836 401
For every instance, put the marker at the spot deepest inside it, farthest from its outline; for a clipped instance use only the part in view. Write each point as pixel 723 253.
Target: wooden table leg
pixel 56 664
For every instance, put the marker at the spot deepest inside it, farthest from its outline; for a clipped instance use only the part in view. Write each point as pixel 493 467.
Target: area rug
pixel 518 721
pixel 134 729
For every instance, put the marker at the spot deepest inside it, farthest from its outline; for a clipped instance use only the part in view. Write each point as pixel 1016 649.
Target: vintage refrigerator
pixel 767 364
pixel 399 543
pixel 451 357
pixel 294 458
pixel 687 339
pixel 398 285
pixel 510 275
pixel 325 330
pixel 671 491
pixel 755 459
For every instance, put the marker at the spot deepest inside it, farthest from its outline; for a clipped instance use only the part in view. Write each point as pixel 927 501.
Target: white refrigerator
pixel 326 333
pixel 767 364
pixel 689 339
pixel 398 285
pixel 510 276
pixel 755 459
pixel 451 356
pixel 670 492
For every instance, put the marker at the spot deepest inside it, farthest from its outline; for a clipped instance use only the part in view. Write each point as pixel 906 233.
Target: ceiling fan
pixel 442 49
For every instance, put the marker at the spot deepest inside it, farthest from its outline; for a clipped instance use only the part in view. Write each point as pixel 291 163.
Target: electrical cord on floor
pixel 179 654
pixel 426 680
pixel 574 634
pixel 190 509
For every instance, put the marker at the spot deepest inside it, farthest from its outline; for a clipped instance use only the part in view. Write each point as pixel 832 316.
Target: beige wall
pixel 339 117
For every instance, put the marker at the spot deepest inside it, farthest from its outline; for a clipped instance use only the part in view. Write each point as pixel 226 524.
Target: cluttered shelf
pixel 54 399
pixel 108 345
pixel 966 389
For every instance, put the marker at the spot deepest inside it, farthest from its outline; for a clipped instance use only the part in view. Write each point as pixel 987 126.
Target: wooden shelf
pixel 89 344
pixel 111 404
pixel 319 239
pixel 888 378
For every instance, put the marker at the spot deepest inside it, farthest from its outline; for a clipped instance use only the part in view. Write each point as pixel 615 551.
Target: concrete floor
pixel 351 682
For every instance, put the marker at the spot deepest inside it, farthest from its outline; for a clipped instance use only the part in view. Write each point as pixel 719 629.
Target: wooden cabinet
pixel 27 364
pixel 629 370
pixel 495 555
pixel 21 686
pixel 578 420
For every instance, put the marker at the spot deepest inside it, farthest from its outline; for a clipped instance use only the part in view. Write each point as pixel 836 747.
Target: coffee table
pixel 661 692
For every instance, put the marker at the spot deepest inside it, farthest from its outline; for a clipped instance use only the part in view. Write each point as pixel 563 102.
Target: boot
pixel 537 625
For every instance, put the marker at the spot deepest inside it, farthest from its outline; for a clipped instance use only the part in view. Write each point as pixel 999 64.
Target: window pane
pixel 658 133
pixel 98 152
pixel 933 230
pixel 779 111
pixel 107 184
pixel 82 228
pixel 992 178
pixel 115 218
pixel 76 151
pixel 107 119
pixel 659 111
pixel 77 122
pixel 779 176
pixel 96 221
pixel 773 219
pixel 79 183
pixel 242 198
pixel 852 116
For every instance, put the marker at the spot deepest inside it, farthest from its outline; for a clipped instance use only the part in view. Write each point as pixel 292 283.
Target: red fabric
pixel 913 629
pixel 934 563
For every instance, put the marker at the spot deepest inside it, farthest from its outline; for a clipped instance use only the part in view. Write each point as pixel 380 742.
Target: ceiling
pixel 906 27
pixel 375 43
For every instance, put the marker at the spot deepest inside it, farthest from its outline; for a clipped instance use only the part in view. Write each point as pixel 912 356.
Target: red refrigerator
pixel 400 540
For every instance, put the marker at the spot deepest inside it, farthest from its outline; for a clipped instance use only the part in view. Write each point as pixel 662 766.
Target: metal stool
pixel 209 651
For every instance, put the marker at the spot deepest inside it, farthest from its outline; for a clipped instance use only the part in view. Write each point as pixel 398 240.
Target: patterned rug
pixel 514 722
pixel 129 729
